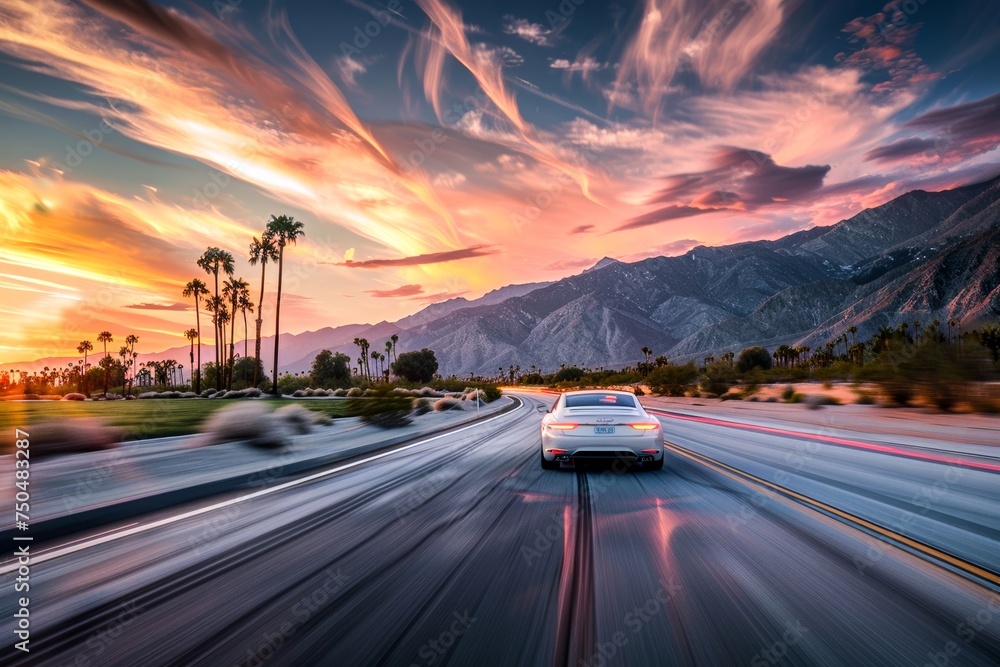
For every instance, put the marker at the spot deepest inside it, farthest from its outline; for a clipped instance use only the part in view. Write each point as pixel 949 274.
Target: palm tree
pixel 263 251
pixel 246 305
pixel 196 289
pixel 84 348
pixel 191 335
pixel 234 289
pixel 212 261
pixel 395 339
pixel 105 337
pixel 647 353
pixel 853 329
pixel 130 342
pixel 285 229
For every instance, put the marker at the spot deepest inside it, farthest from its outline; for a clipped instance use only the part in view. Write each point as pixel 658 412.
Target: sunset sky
pixel 435 149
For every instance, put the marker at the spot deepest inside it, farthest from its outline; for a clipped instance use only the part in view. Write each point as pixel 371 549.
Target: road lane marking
pixel 857 444
pixel 846 517
pixel 86 543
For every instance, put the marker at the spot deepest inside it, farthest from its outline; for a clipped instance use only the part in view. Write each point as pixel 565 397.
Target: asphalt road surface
pixel 460 550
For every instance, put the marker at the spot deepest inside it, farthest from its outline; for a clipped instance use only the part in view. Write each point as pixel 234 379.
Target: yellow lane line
pixel 920 547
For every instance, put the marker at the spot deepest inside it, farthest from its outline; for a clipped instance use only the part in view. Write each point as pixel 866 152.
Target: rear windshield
pixel 600 400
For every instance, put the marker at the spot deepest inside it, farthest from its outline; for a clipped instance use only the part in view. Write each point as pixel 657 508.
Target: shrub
pixel 447 403
pixel 299 419
pixel 718 377
pixel 816 401
pixel 148 394
pixel 250 421
pixel 569 374
pixel 754 357
pixel 787 393
pixel 383 409
pixel 74 397
pixel 672 380
pixel 865 398
pixel 207 393
pixel 354 391
pixel 66 436
pixel 421 406
pixel 532 378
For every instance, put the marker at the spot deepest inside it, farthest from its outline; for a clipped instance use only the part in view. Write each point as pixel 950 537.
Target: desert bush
pixel 298 418
pixel 447 403
pixel 299 393
pixel 382 409
pixel 148 394
pixel 208 393
pixel 865 398
pixel 250 421
pixel 754 357
pixel 787 393
pixel 816 401
pixel 717 378
pixel 189 394
pixel 340 392
pixel 66 436
pixel 422 406
pixel 74 397
pixel 672 380
pixel 354 391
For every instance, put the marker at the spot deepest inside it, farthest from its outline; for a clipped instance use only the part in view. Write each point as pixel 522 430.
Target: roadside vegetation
pixel 933 365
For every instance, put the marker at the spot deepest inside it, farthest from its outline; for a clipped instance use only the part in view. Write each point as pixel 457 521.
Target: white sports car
pixel 596 425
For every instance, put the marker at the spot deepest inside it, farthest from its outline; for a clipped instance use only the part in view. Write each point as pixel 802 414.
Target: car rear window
pixel 600 400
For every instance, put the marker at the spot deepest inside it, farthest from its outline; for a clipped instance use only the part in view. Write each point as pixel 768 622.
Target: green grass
pixel 153 418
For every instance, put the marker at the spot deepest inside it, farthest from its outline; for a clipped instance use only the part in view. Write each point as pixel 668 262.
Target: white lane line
pixel 80 546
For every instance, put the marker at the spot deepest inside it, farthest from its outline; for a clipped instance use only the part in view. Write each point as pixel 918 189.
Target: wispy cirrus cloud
pixel 419 260
pixel 158 306
pixel 534 33
pixel 396 293
pixel 720 39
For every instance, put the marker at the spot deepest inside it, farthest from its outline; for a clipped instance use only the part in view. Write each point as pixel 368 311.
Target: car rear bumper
pixel 631 448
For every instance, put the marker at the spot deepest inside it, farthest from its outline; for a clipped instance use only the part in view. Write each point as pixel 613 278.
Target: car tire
pixel 549 465
pixel 655 465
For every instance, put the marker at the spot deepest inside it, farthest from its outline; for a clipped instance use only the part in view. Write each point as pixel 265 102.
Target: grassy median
pixel 152 418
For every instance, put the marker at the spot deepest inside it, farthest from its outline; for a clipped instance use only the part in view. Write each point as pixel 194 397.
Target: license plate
pixel 604 430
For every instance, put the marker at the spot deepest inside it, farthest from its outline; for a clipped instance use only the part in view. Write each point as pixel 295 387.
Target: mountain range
pixel 923 255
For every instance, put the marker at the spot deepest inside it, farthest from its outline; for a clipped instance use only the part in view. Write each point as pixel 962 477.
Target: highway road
pixel 459 550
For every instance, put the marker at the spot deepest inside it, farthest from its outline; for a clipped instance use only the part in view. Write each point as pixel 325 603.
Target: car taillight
pixel 651 451
pixel 562 426
pixel 645 427
pixel 557 452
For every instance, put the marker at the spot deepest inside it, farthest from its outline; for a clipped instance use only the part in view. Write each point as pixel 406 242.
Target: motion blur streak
pixel 885 449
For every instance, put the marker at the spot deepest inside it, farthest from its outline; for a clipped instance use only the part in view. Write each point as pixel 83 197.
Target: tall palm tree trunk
pixel 260 322
pixel 197 319
pixel 277 315
pixel 232 346
pixel 246 343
